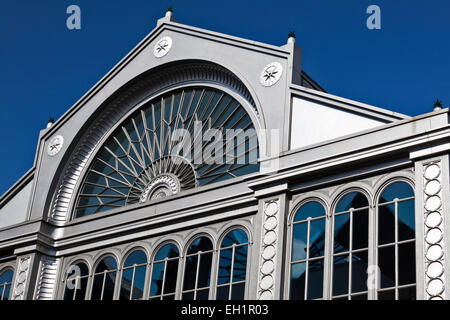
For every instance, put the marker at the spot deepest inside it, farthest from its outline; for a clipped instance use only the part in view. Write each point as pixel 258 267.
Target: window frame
pixel 5 284
pixel 381 189
pixel 122 267
pixel 213 252
pixel 289 247
pixel 223 234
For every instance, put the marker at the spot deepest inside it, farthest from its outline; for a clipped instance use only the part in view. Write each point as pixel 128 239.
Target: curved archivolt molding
pixel 140 90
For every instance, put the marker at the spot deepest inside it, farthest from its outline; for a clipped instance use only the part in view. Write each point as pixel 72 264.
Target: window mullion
pixel 308 233
pixel 103 284
pixel 196 274
pixel 396 247
pixel 231 270
pixel 350 254
pixel 163 286
pixel 132 282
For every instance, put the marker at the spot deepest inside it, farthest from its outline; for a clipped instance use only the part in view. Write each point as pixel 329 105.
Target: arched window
pixel 104 279
pixel 350 247
pixel 183 139
pixel 76 282
pixel 232 266
pixel 165 273
pixel 396 243
pixel 5 284
pixel 197 271
pixel 308 252
pixel 133 276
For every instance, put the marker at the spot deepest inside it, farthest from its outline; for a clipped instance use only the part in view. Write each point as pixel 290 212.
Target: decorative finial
pixel 50 122
pixel 437 105
pixel 169 12
pixel 291 37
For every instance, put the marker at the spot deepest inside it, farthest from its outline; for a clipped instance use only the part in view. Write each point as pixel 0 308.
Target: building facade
pixel 206 166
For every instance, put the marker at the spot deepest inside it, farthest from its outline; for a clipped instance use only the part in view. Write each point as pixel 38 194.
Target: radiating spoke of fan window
pixel 104 280
pixel 308 252
pixel 350 247
pixel 396 243
pixel 145 159
pixel 232 266
pixel 165 273
pixel 133 276
pixel 5 284
pixel 197 270
pixel 76 282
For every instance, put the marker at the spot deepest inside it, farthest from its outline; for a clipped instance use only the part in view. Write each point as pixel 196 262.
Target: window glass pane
pixel 341 233
pixel 6 276
pixel 297 288
pixel 399 190
pixel 188 296
pixel 237 236
pixel 386 295
pixel 137 257
pixel 190 273
pixel 386 224
pixel 202 294
pixel 225 266
pixel 200 244
pixel 317 238
pixel 76 282
pixel 407 293
pixel 222 293
pixel 157 279
pixel 125 287
pixel 110 283
pixel 359 297
pixel 108 263
pixel 204 270
pixel 315 279
pixel 240 263
pixel 407 263
pixel 311 209
pixel 238 291
pixel 353 200
pixel 340 275
pixel 360 229
pixel 406 221
pixel 171 276
pixel 359 271
pixel 386 263
pixel 299 241
pixel 169 251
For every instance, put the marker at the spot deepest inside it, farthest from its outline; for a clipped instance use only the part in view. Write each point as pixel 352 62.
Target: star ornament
pixel 162 47
pixel 271 74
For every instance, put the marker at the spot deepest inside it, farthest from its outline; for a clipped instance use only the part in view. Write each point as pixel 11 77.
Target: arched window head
pixel 308 250
pixel 133 276
pixel 183 139
pixel 76 282
pixel 104 279
pixel 165 273
pixel 5 284
pixel 350 247
pixel 197 271
pixel 232 266
pixel 396 243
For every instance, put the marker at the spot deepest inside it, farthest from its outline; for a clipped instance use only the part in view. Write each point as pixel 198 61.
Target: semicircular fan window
pixel 183 139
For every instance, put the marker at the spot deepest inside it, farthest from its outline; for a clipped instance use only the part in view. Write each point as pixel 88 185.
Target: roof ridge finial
pixel 169 12
pixel 437 105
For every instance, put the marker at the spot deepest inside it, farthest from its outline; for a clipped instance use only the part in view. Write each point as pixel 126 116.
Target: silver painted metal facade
pixel 46 240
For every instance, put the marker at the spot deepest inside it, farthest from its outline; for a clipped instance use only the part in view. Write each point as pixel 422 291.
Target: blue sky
pixel 46 68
